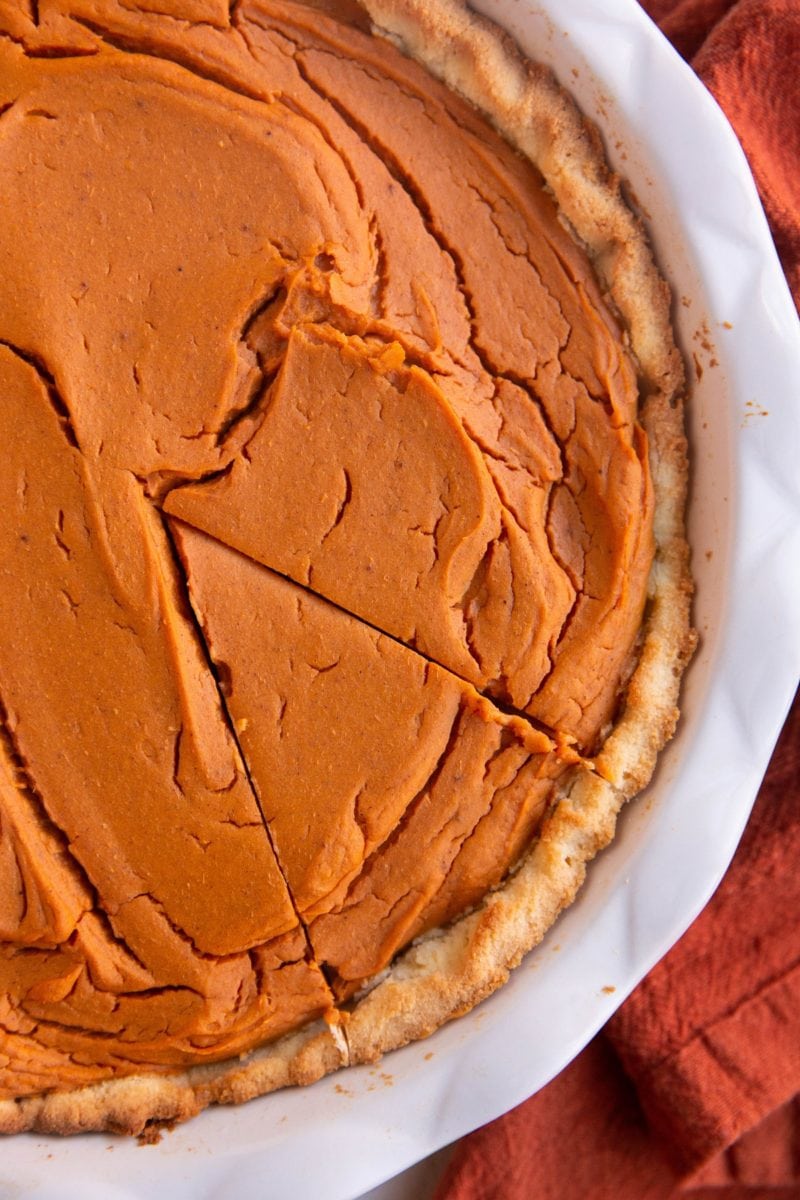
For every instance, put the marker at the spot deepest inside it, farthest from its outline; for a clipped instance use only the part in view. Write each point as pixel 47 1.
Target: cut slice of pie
pixel 361 752
pixel 343 577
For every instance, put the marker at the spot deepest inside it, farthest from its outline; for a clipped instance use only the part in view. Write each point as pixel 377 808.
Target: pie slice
pixel 361 752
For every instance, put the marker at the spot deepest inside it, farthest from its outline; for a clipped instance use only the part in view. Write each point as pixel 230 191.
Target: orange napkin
pixel 693 1088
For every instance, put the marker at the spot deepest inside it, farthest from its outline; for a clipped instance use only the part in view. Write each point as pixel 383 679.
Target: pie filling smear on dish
pixel 327 544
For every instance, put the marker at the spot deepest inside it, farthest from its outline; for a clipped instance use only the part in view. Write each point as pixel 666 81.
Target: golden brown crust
pixel 131 1104
pixel 450 970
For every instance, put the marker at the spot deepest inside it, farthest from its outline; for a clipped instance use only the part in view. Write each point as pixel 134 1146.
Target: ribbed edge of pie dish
pixel 446 972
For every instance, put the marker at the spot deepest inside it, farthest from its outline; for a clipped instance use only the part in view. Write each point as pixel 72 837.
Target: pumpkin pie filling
pixel 117 766
pixel 354 779
pixel 327 523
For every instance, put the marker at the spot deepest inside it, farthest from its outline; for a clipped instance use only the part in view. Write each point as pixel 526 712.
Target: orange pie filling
pixel 326 530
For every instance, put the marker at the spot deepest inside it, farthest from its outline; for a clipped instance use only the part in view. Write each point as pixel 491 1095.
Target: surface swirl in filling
pixel 326 523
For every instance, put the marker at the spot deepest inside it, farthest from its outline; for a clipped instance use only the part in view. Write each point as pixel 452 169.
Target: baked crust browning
pixel 142 1104
pixel 538 502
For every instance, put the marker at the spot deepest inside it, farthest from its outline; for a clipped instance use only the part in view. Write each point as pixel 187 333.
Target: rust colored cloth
pixel 748 55
pixel 693 1088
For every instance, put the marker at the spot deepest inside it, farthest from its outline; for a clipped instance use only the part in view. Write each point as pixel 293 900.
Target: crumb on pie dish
pixel 343 567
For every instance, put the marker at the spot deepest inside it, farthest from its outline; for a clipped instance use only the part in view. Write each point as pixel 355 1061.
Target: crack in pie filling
pixel 342 567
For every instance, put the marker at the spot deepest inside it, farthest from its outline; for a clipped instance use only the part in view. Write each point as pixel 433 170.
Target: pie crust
pixel 445 972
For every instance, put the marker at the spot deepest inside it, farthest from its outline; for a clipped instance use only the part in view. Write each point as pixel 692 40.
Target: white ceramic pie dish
pixel 736 319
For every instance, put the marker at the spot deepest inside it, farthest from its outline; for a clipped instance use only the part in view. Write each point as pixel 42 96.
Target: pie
pixel 343 581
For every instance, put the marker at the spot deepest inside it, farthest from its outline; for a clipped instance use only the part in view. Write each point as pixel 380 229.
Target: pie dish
pixel 579 768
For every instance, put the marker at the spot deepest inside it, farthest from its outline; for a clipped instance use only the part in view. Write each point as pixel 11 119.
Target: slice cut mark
pixel 362 753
